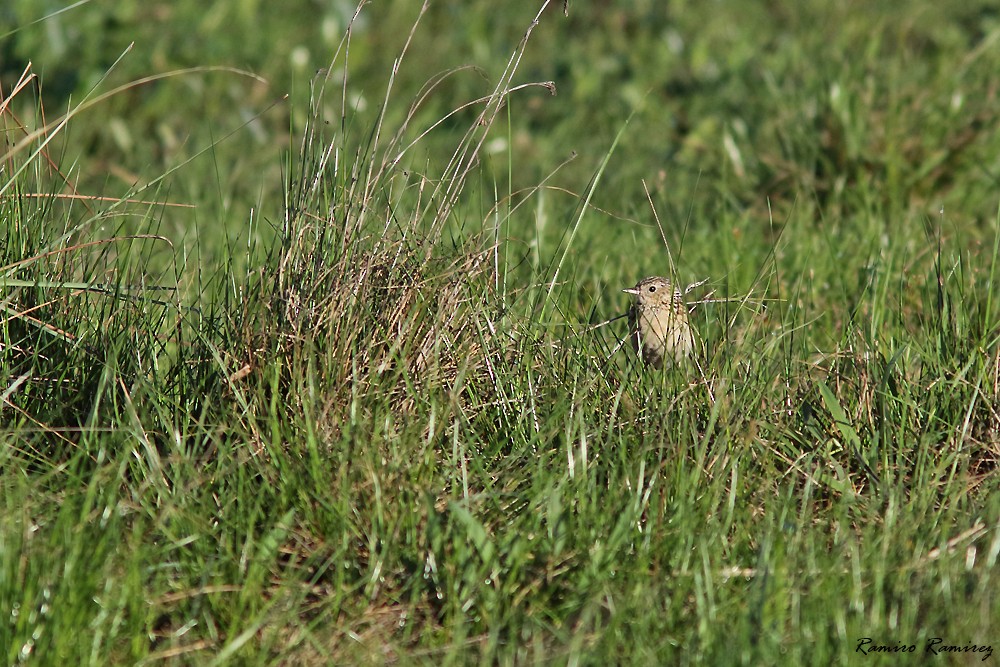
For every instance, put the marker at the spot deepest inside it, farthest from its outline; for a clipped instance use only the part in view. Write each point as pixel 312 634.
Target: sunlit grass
pixel 379 423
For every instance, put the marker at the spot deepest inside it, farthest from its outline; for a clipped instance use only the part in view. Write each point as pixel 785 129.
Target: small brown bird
pixel 658 322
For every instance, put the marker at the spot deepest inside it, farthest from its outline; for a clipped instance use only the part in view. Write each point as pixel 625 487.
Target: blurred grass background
pixel 743 117
pixel 313 445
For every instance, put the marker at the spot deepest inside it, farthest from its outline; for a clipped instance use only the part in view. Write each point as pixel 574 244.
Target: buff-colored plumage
pixel 658 322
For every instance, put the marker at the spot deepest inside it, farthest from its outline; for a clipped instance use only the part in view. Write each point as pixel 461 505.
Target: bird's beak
pixel 631 290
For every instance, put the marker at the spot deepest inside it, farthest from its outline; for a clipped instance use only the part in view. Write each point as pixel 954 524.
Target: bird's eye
pixel 652 288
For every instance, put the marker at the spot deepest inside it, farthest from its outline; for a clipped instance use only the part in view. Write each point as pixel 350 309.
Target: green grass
pixel 320 383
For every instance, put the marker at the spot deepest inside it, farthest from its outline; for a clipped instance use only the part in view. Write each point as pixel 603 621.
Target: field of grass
pixel 305 352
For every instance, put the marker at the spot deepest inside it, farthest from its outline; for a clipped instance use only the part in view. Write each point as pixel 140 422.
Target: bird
pixel 658 322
